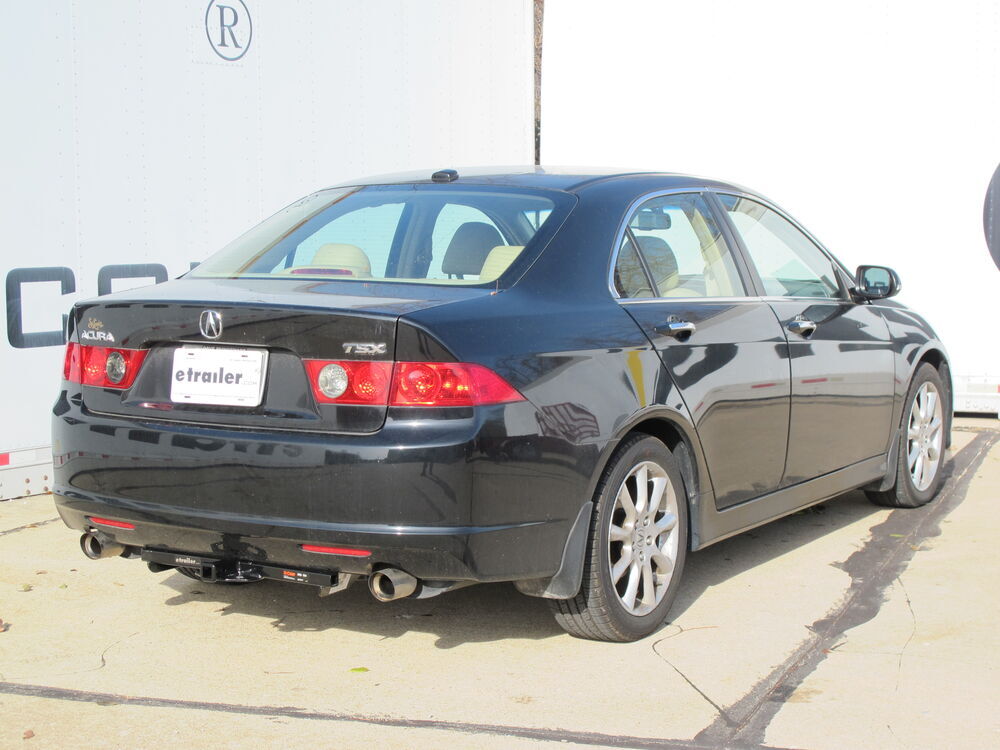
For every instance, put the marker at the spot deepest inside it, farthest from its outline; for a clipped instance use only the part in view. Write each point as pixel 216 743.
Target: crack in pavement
pixel 872 568
pixel 34 525
pixel 913 630
pixel 532 733
pixel 719 709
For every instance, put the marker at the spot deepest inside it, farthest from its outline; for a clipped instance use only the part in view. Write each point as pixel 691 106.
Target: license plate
pixel 219 376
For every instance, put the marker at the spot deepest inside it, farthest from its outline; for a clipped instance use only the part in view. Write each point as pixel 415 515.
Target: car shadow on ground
pixel 731 557
pixel 496 612
pixel 477 614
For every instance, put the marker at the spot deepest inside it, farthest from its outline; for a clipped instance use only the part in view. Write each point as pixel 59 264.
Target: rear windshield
pixel 438 234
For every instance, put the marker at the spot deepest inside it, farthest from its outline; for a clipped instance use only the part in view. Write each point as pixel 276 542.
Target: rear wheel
pixel 920 454
pixel 637 547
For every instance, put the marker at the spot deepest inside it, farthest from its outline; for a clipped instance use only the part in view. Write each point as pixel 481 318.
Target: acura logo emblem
pixel 210 324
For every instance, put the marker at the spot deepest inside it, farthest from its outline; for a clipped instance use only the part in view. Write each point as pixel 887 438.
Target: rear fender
pixel 676 431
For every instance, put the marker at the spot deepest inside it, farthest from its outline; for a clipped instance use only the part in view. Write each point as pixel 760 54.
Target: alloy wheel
pixel 924 436
pixel 643 538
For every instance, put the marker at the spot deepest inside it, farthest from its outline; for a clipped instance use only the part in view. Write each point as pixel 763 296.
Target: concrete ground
pixel 844 626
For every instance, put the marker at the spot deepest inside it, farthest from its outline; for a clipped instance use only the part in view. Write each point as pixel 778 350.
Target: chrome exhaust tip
pixel 94 548
pixel 390 584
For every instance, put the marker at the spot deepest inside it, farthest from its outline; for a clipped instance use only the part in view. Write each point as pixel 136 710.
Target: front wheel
pixel 920 454
pixel 637 547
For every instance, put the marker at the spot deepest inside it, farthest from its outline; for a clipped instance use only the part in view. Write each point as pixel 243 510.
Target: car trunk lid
pixel 221 333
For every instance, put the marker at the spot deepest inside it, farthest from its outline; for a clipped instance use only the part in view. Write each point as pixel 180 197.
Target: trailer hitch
pixel 216 570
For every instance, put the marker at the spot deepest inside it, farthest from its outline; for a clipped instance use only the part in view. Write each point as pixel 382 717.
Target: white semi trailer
pixel 137 138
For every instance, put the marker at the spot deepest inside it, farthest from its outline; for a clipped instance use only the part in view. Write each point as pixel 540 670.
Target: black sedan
pixel 567 380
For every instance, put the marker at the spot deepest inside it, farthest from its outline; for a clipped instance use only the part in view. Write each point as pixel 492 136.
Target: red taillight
pixel 110 522
pixel 89 365
pixel 335 550
pixel 448 384
pixel 71 365
pixel 407 383
pixel 366 383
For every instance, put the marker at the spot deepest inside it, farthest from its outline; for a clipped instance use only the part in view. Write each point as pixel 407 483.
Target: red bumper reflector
pixel 335 550
pixel 110 522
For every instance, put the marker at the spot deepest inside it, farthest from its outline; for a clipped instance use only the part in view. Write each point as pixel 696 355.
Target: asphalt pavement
pixel 843 626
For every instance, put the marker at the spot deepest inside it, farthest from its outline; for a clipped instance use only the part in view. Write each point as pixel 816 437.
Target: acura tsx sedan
pixel 563 379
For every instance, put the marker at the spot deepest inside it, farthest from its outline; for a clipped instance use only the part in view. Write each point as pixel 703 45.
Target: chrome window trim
pixel 620 235
pixel 664 300
pixel 772 298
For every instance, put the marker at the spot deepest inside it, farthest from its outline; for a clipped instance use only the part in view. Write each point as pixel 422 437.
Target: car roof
pixel 569 179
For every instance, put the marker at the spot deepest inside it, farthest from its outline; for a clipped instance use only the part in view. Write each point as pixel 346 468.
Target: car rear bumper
pixel 463 496
pixel 478 553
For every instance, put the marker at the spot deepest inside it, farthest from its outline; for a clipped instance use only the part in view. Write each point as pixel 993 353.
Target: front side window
pixel 409 233
pixel 673 248
pixel 788 262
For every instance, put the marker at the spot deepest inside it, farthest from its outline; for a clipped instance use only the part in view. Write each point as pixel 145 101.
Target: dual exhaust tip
pixel 389 584
pixel 386 584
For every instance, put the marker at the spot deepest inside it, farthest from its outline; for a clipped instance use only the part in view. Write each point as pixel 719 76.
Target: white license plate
pixel 219 376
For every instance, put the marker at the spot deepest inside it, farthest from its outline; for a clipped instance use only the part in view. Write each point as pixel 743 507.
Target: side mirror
pixel 876 282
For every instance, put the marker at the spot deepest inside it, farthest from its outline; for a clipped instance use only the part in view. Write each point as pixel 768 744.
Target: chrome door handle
pixel 678 329
pixel 801 326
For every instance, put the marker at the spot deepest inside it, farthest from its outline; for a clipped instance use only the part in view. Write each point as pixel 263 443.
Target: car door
pixel 677 277
pixel 840 352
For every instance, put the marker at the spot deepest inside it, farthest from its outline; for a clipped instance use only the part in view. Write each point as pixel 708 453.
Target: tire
pixel 920 453
pixel 637 604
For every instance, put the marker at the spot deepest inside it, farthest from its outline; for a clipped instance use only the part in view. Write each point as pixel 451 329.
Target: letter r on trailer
pixel 224 27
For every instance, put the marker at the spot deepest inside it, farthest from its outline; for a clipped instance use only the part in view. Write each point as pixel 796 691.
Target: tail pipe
pixel 389 584
pixel 98 547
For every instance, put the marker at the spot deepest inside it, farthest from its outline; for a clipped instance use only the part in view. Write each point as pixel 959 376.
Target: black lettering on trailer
pixel 107 274
pixel 67 280
pixel 15 314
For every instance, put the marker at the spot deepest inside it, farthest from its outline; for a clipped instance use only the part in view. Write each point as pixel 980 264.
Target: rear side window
pixel 674 248
pixel 440 234
pixel 788 262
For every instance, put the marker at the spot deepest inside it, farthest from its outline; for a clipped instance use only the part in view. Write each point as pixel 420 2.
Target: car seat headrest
pixel 469 247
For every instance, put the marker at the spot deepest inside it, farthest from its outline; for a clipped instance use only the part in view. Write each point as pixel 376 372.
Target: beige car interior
pixel 336 259
pixel 721 278
pixel 498 261
pixel 476 249
pixel 663 265
pixel 468 249
pixel 719 272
